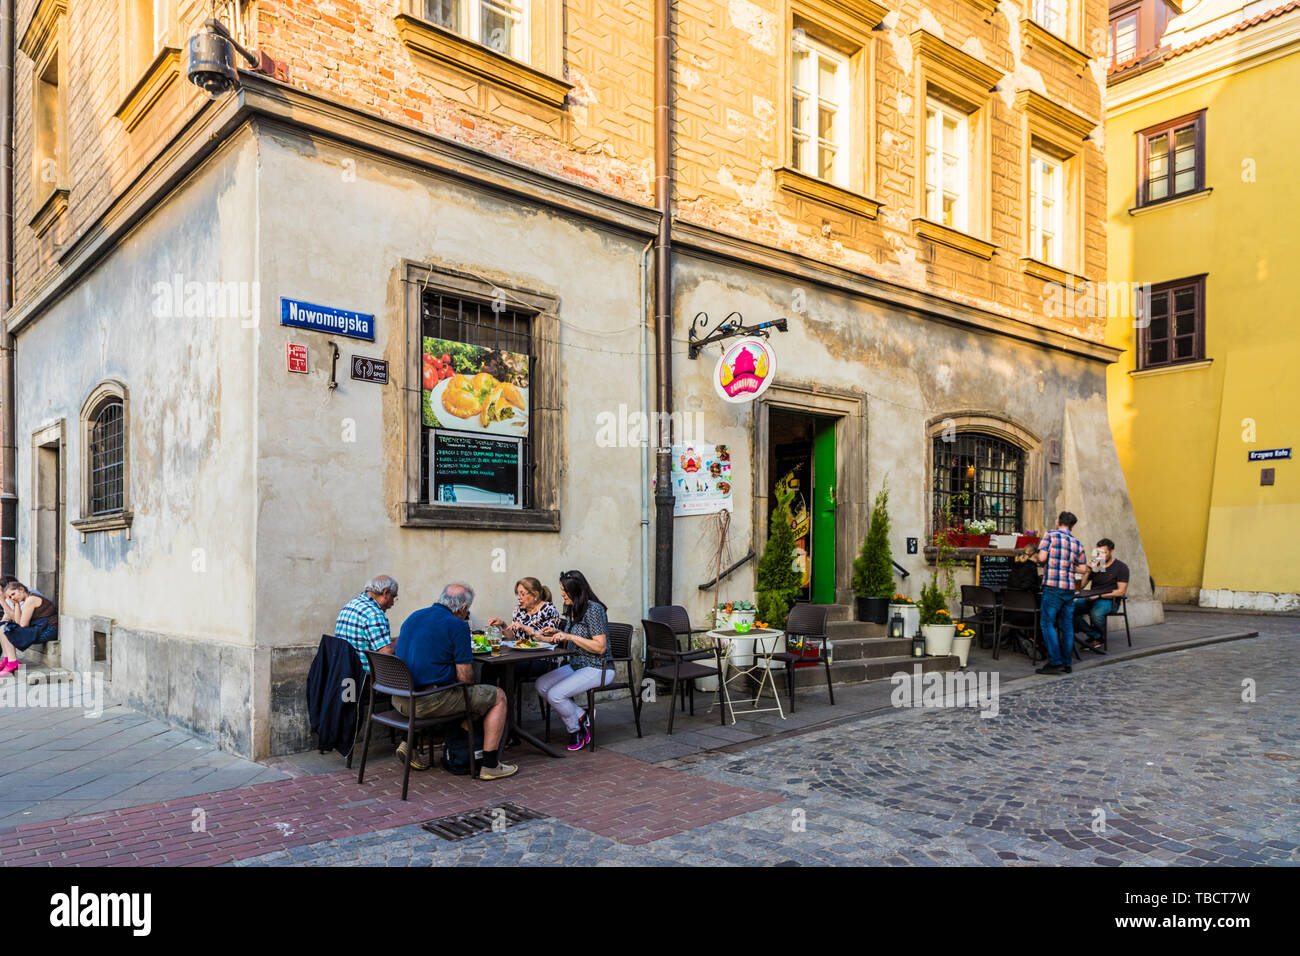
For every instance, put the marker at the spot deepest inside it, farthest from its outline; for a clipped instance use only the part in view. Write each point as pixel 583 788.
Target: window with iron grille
pixel 107 459
pixel 979 477
pixel 460 319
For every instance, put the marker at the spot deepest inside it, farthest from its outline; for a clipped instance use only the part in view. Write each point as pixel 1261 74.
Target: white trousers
pixel 563 683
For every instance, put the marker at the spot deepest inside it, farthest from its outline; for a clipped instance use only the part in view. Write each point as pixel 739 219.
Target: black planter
pixel 873 610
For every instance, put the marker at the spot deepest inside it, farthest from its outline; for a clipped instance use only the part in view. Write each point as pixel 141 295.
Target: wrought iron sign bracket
pixel 730 327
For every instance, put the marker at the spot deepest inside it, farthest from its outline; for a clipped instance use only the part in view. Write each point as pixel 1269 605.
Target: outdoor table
pixel 509 658
pixel 761 661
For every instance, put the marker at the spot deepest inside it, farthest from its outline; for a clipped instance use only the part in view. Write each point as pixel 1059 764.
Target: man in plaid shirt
pixel 363 623
pixel 1063 554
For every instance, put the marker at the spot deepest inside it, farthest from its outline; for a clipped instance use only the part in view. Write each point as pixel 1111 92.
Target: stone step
pixel 866 669
pixel 41 674
pixel 842 630
pixel 838 612
pixel 857 648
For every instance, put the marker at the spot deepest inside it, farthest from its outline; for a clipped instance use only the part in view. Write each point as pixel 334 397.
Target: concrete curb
pixel 1129 655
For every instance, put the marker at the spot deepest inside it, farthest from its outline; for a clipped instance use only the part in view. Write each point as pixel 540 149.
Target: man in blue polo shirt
pixel 434 643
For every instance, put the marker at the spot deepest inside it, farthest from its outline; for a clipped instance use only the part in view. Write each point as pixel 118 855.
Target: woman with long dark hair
pixel 585 629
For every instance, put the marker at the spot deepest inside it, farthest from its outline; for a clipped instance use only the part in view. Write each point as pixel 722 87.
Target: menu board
pixel 992 570
pixel 701 479
pixel 467 469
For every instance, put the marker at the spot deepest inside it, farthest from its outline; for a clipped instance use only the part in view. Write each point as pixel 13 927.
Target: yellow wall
pixel 1205 520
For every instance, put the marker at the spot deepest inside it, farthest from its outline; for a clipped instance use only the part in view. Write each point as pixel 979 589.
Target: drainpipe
pixel 8 443
pixel 663 305
pixel 643 305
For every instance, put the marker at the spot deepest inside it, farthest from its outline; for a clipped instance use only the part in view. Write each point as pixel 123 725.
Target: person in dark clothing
pixel 1106 571
pixel 1024 571
pixel 29 618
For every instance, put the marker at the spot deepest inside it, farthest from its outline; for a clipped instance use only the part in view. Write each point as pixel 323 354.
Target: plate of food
pixel 481 403
pixel 527 644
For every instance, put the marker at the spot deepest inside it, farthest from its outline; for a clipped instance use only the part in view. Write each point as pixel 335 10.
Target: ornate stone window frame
pixel 540 79
pixel 45 43
pixel 950 75
pixel 844 26
pixel 1068 47
pixel 106 391
pixel 996 425
pixel 546 414
pixel 1061 133
pixel 142 88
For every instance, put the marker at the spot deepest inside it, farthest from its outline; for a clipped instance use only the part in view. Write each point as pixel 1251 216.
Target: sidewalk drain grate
pixel 462 826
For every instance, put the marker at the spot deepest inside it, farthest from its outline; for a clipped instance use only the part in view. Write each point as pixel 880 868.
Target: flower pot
pixel 972 540
pixel 745 617
pixel 1025 539
pixel 938 638
pixel 911 617
pixel 961 648
pixel 872 610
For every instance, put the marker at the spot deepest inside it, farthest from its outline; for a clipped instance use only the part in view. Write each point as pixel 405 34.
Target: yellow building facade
pixel 1202 137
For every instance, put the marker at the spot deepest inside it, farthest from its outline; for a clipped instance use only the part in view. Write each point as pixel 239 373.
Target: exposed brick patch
pixel 617 797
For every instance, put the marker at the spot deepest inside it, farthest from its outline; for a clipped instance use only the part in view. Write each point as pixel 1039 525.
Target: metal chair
pixel 620 645
pixel 391 676
pixel 807 621
pixel 661 645
pixel 1020 615
pixel 1119 610
pixel 984 603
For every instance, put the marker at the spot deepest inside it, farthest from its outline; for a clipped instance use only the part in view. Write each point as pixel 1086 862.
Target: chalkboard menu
pixel 467 469
pixel 992 570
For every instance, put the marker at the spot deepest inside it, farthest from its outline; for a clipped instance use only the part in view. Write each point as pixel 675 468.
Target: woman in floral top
pixel 533 613
pixel 586 630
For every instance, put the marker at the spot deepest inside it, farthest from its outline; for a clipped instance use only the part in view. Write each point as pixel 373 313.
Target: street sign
pixel 324 318
pixel 369 370
pixel 1268 454
pixel 296 357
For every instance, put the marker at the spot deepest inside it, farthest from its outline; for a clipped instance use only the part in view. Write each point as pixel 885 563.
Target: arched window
pixel 978 476
pixel 107 458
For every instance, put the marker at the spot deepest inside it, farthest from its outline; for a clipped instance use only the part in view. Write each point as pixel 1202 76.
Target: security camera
pixel 211 61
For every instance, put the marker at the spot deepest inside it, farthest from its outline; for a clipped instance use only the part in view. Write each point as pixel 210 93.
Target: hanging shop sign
pixel 370 370
pixel 1268 454
pixel 744 370
pixel 471 388
pixel 701 479
pixel 324 318
pixel 296 357
pixel 479 470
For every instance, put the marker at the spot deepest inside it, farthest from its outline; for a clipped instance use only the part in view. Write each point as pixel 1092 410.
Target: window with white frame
pixel 947 165
pixel 819 111
pixel 1122 39
pixel 500 25
pixel 1052 15
pixel 1046 202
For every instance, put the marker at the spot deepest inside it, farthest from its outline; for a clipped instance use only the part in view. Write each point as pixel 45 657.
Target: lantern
pixel 897 628
pixel 918 644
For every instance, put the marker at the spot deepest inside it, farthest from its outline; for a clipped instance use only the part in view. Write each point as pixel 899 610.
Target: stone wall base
pixel 1249 600
pixel 1178 595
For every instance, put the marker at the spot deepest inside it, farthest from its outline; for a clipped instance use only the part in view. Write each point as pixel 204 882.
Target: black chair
pixel 661 645
pixel 984 603
pixel 391 676
pixel 806 621
pixel 1119 610
pixel 677 618
pixel 1020 616
pixel 620 646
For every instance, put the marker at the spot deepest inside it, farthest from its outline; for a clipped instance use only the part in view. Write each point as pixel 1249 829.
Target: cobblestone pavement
pixel 1154 761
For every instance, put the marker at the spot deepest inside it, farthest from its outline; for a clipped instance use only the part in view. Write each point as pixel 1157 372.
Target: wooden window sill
pixel 52 207
pixel 1172 201
pixel 809 187
pixel 419 515
pixel 1035 34
pixel 1174 367
pixel 450 49
pixel 953 238
pixel 113 522
pixel 158 76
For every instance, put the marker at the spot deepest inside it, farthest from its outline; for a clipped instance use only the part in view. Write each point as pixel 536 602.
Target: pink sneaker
pixel 10 667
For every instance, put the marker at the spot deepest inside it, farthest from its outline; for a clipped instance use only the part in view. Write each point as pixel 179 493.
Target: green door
pixel 823 516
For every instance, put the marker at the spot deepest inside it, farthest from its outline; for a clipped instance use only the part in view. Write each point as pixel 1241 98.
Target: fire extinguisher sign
pixel 296 357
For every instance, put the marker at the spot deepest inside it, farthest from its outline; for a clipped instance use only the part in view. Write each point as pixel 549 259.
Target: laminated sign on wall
pixel 701 479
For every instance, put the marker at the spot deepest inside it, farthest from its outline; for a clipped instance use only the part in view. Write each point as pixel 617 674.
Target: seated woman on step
pixel 29 618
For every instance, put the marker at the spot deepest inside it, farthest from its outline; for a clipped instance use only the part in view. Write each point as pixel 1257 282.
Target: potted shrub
pixel 904 605
pixel 939 592
pixel 778 579
pixel 961 642
pixel 873 569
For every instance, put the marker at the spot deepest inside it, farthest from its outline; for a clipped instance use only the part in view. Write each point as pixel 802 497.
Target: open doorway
pixel 802 470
